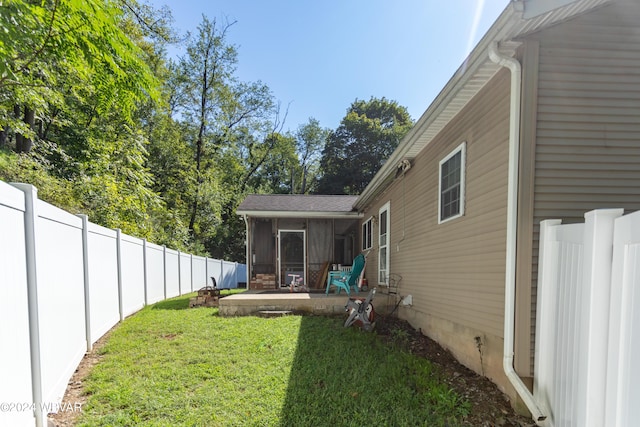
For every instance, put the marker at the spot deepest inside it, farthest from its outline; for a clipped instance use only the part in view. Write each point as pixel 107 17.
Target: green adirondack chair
pixel 347 280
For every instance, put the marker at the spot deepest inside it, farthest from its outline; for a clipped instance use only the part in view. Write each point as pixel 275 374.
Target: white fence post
pixel 190 273
pixel 623 373
pixel 164 265
pixel 546 315
pixel 222 275
pixel 30 231
pixel 144 266
pixel 87 287
pixel 598 253
pixel 179 273
pixel 119 266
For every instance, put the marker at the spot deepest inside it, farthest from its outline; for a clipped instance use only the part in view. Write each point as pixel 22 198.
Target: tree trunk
pixel 29 119
pixel 4 133
pixel 24 144
pixel 199 144
pixel 304 180
pixel 17 112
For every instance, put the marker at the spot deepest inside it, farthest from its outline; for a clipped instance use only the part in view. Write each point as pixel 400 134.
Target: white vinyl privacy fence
pixel 64 282
pixel 587 370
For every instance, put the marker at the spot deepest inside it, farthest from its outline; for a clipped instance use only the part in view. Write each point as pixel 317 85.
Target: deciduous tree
pixel 310 141
pixel 48 48
pixel 356 150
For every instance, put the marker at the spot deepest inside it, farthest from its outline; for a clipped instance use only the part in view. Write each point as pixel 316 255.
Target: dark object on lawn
pixel 361 312
pixel 207 296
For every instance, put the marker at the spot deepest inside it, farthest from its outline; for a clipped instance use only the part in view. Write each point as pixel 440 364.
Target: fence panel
pixel 577 306
pixel 568 314
pixel 45 315
pixel 103 280
pixel 60 274
pixel 241 274
pixel 132 276
pixel 15 367
pixel 214 269
pixel 228 278
pixel 561 253
pixel 199 272
pixel 155 273
pixel 172 273
pixel 185 273
pixel 623 372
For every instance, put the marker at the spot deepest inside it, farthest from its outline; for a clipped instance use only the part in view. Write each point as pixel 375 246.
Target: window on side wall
pixel 367 229
pixel 383 245
pixel 451 188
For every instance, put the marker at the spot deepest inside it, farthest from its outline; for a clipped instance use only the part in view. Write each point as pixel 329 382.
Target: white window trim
pixel 463 166
pixel 385 207
pixel 370 222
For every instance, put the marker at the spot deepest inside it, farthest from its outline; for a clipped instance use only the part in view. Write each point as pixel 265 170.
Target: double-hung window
pixel 383 244
pixel 367 229
pixel 451 188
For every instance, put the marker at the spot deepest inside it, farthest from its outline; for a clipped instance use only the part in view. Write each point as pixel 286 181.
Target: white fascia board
pixel 477 59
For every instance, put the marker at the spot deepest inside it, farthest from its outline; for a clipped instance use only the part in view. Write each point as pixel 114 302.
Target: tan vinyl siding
pixel 455 270
pixel 588 127
pixel 523 340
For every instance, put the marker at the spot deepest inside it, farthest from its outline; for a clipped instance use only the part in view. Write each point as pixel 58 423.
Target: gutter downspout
pixel 248 262
pixel 512 212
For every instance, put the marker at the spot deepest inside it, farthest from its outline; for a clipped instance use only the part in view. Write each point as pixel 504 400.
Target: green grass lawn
pixel 169 365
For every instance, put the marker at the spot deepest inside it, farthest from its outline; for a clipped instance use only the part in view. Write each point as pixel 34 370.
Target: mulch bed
pixel 490 407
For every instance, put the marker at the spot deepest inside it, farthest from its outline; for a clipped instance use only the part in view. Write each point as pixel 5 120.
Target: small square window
pixel 451 189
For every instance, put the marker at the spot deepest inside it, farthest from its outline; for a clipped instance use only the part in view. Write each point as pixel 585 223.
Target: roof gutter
pixel 501 29
pixel 301 214
pixel 512 212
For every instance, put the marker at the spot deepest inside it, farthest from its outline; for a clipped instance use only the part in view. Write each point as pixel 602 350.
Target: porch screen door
pixel 291 256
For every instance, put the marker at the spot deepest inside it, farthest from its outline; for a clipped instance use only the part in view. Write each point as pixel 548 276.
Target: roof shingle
pixel 297 203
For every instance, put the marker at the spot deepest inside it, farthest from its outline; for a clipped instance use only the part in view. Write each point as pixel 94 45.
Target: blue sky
pixel 319 56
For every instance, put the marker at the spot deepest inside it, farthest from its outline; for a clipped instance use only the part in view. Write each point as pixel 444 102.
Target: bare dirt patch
pixel 74 395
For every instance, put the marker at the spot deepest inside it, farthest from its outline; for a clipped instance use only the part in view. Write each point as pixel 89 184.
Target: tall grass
pixel 170 366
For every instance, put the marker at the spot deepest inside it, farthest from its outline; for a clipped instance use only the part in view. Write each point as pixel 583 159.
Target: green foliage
pixel 366 137
pixel 310 141
pixel 115 175
pixel 23 168
pixel 107 125
pixel 169 365
pixel 230 134
pixel 45 46
pixel 277 172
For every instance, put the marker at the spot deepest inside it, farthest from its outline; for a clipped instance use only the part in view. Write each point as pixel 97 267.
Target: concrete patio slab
pixel 252 302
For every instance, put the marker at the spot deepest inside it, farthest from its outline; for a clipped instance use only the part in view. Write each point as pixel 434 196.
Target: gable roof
pixel 520 17
pixel 298 205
